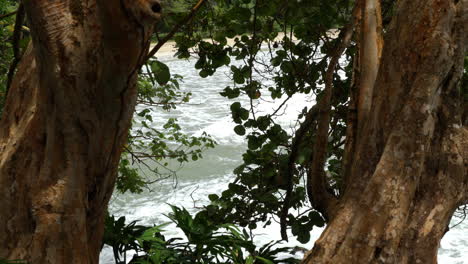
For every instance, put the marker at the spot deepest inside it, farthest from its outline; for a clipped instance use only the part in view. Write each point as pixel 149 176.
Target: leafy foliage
pixel 284 49
pixel 121 236
pixel 206 242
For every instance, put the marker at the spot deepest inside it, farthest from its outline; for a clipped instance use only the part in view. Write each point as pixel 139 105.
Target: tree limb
pixel 366 63
pixel 351 119
pixel 370 52
pixel 175 29
pixel 317 187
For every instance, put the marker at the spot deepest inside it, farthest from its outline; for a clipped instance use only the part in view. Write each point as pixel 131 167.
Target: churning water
pixel 208 111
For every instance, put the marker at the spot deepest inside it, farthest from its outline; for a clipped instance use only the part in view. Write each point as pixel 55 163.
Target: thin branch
pixel 252 56
pixel 317 185
pixel 175 29
pixel 150 74
pixel 281 106
pixel 463 212
pixel 9 14
pixel 141 101
pixel 193 199
pixel 143 155
pixel 137 158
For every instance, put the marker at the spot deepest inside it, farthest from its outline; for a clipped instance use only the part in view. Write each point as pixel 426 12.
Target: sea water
pixel 209 112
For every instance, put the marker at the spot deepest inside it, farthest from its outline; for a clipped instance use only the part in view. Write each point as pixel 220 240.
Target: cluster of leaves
pixel 121 236
pixel 284 48
pixel 206 242
pixel 151 146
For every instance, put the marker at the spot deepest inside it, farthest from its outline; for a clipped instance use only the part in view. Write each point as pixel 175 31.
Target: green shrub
pixel 206 242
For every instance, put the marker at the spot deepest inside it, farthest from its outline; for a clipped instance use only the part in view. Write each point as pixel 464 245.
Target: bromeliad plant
pixel 121 237
pixel 205 242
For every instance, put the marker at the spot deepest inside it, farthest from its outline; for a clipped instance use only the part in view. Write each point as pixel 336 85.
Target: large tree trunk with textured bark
pixel 407 146
pixel 66 117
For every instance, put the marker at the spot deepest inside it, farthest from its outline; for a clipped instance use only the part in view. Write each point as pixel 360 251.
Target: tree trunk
pixel 409 170
pixel 66 117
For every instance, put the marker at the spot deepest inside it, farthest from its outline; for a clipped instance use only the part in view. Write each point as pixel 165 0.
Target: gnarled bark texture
pixel 66 117
pixel 409 169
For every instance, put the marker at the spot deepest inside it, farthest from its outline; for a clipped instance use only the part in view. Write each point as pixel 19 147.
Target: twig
pixel 193 200
pixel 175 29
pixel 8 15
pixel 150 74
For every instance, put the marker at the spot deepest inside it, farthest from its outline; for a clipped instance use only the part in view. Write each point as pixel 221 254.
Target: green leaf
pixel 303 237
pixel 213 197
pixel 161 72
pixel 263 122
pixel 254 142
pixel 204 73
pixel 226 60
pixel 230 93
pixel 240 130
pixel 244 113
pixel 316 219
pixel 264 260
pixel 239 169
pixel 200 63
pixel 238 77
pixel 235 106
pixel 249 260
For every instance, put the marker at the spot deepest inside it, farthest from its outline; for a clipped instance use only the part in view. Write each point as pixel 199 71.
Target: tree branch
pixel 351 119
pixel 366 64
pixel 306 126
pixel 317 186
pixel 8 15
pixel 370 52
pixel 175 29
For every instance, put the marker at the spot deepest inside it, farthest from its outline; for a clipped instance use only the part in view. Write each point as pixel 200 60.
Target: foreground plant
pixel 205 242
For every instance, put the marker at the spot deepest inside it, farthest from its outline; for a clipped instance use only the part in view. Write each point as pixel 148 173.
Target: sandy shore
pixel 169 48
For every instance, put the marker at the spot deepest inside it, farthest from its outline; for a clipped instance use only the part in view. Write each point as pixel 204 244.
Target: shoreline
pixel 169 49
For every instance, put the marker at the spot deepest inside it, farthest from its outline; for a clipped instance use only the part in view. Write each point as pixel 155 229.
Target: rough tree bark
pixel 66 117
pixel 409 162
